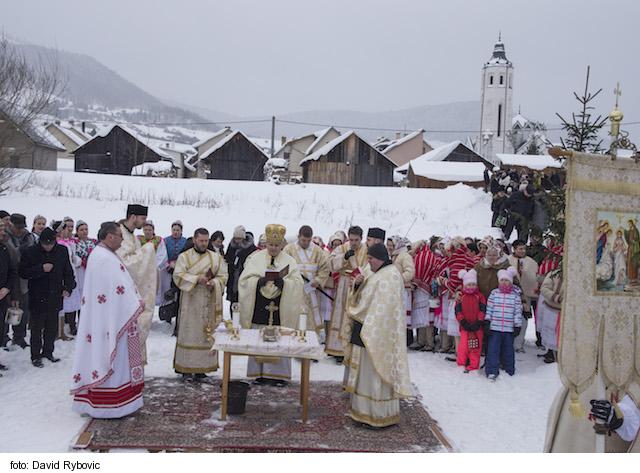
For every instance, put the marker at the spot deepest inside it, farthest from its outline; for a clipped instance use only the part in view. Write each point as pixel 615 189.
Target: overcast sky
pixel 251 57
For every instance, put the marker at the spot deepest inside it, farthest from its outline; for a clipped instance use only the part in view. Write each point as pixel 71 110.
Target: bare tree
pixel 27 90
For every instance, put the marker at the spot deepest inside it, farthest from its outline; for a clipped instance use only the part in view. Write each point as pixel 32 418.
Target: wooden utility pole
pixel 273 134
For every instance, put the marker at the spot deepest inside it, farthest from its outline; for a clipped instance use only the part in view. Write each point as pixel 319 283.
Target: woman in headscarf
pixel 84 247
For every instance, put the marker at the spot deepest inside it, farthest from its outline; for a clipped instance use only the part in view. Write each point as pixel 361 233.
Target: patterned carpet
pixel 185 417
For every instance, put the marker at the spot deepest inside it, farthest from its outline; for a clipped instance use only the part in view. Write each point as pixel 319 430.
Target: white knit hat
pixel 508 273
pixel 468 277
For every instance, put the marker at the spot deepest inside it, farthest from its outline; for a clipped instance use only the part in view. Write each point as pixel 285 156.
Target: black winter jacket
pixel 45 289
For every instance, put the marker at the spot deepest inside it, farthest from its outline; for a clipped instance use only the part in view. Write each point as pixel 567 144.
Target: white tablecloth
pixel 251 343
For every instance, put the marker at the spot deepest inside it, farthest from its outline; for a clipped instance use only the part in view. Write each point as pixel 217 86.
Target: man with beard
pixel 140 261
pixel 201 275
pixel 260 295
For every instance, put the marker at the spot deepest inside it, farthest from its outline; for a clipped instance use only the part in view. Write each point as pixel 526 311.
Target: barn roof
pixel 324 150
pixel 449 171
pixel 530 161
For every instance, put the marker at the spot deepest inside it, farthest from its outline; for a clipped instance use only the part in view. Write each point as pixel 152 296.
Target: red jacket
pixel 471 308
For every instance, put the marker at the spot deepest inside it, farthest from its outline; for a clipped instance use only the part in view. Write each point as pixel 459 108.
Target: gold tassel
pixel 575 408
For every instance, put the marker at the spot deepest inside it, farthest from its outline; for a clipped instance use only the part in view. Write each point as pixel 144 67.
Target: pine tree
pixel 583 135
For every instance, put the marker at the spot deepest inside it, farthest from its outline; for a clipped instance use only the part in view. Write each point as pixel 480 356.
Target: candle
pixel 302 322
pixel 236 320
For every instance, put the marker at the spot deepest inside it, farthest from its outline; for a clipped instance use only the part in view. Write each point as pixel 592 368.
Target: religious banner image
pixel 617 247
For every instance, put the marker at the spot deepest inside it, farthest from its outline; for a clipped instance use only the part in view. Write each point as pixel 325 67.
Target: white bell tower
pixel 496 107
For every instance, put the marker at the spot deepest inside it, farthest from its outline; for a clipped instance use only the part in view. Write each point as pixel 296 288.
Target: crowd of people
pixel 463 296
pixel 517 200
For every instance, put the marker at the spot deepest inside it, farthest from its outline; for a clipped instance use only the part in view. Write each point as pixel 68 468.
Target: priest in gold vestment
pixel 313 264
pixel 256 292
pixel 345 259
pixel 201 275
pixel 378 374
pixel 140 261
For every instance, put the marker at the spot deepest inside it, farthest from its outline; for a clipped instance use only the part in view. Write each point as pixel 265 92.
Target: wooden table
pixel 251 345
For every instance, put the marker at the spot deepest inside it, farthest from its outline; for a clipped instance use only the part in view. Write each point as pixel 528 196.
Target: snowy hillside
pixel 222 205
pixel 475 415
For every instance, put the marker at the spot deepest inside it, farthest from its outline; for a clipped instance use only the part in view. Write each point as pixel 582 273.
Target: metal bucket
pixel 13 316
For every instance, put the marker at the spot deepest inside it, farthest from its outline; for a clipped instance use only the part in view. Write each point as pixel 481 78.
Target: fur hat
pixel 508 273
pixel 468 277
pixel 379 251
pixel 239 232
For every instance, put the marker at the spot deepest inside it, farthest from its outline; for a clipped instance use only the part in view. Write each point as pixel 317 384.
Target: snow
pixel 520 120
pixel 211 136
pixel 148 142
pixel 531 161
pixel 475 415
pixel 327 148
pixel 157 168
pixel 449 171
pixel 73 136
pixel 319 137
pixel 66 165
pixel 223 142
pixel 437 154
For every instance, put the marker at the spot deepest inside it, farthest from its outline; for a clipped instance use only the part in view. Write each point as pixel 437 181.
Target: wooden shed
pixel 27 146
pixel 348 160
pixel 441 174
pixel 116 152
pixel 234 157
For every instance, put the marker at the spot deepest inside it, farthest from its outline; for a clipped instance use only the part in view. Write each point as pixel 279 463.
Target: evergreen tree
pixel 583 135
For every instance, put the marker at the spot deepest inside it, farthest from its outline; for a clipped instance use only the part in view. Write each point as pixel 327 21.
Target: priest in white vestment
pixel 378 370
pixel 346 259
pixel 313 264
pixel 256 292
pixel 108 373
pixel 140 260
pixel 201 275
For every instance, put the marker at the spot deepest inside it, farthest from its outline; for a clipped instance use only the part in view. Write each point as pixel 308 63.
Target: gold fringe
pixel 575 408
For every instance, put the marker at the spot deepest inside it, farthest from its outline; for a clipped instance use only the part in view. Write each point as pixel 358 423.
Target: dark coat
pixel 45 289
pixel 235 257
pixel 522 205
pixel 8 275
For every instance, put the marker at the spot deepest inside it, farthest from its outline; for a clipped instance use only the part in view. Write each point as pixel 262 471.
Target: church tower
pixel 496 107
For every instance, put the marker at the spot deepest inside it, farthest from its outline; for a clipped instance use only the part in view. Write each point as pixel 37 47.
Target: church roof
pixel 499 54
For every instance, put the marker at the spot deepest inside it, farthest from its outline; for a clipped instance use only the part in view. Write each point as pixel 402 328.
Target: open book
pixel 273 274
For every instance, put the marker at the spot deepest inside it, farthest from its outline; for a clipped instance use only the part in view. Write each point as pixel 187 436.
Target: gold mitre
pixel 275 233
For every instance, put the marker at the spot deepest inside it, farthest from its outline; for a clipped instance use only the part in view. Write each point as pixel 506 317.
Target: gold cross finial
pixel 617 92
pixel 271 308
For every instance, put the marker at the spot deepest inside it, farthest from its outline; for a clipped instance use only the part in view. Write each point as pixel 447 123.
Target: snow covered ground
pixel 476 415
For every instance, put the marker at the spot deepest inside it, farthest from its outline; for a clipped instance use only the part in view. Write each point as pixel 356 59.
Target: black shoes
pixel 51 358
pixel 37 363
pixel 21 343
pixel 3 368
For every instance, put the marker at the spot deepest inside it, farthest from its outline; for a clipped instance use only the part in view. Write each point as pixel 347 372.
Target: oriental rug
pixel 185 417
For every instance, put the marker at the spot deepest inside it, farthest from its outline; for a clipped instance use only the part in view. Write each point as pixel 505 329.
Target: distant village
pixel 328 156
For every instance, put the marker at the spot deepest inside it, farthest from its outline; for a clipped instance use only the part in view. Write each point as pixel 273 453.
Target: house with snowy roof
pixel 117 151
pixel 528 136
pixel 404 148
pixel 294 150
pixel 227 154
pixel 69 136
pixel 445 166
pixel 27 146
pixel 530 162
pixel 348 160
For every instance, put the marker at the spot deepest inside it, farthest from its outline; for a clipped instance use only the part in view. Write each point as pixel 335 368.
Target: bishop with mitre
pixel 271 287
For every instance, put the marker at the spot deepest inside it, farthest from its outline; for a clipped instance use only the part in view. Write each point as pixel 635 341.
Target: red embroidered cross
pixel 94 374
pixel 102 299
pixel 120 290
pixel 89 338
pixel 83 300
pixel 77 377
